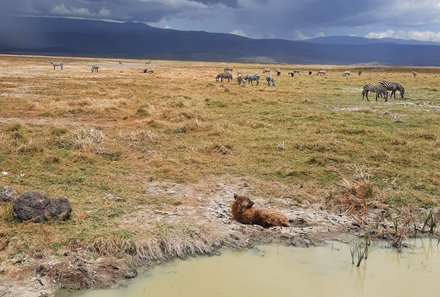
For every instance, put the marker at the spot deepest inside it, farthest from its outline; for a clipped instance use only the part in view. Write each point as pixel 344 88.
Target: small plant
pixel 281 146
pixel 359 249
pixel 431 222
pixel 89 139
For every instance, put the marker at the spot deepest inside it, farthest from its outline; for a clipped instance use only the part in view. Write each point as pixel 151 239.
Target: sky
pixel 286 19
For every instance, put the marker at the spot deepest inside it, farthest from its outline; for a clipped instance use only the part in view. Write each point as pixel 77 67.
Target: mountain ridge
pixel 80 37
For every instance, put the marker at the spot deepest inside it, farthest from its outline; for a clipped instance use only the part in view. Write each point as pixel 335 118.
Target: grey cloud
pixel 275 18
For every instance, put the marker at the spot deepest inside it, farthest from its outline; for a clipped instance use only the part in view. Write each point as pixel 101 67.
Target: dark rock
pixel 33 206
pixel 59 209
pixel 7 194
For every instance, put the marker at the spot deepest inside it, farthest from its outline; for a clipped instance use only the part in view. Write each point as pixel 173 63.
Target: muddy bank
pixel 199 223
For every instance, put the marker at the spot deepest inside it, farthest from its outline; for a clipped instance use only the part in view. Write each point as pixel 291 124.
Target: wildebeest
pixel 310 72
pixel 250 78
pixel 322 72
pixel 393 87
pixel 266 70
pixel 293 72
pixel 94 68
pixel 57 64
pixel 270 80
pixel 240 78
pixel 360 72
pixel 223 75
pixel 227 69
pixel 347 73
pixel 379 89
pixel 147 71
pixel 278 72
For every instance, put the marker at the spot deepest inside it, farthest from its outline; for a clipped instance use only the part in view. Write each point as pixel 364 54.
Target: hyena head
pixel 243 202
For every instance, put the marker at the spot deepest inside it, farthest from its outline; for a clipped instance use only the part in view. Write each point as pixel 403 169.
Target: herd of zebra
pixel 382 89
pixel 243 79
pixel 250 78
pixel 60 64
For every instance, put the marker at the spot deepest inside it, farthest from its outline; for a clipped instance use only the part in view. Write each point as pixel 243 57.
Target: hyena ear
pixel 235 195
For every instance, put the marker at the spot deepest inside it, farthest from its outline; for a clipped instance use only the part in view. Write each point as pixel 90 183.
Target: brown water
pixel 287 271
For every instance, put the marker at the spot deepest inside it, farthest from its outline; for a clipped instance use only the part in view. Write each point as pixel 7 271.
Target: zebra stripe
pixel 379 89
pixel 393 87
pixel 270 80
pixel 223 75
pixel 94 68
pixel 57 64
pixel 250 78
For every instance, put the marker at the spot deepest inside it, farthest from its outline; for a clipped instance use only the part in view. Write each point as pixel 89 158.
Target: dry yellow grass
pixel 88 135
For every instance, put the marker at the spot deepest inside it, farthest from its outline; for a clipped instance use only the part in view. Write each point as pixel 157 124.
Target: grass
pixel 86 135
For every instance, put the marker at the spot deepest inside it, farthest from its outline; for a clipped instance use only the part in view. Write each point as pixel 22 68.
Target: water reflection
pixel 287 271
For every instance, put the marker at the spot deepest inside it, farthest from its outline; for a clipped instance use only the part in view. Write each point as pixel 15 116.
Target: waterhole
pixel 289 271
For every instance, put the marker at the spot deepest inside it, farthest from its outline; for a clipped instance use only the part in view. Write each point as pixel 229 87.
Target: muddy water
pixel 287 271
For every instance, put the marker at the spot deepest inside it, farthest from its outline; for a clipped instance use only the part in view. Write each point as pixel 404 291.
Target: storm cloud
pixel 254 18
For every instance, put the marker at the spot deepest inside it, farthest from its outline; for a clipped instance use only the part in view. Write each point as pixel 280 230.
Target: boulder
pixel 7 194
pixel 35 207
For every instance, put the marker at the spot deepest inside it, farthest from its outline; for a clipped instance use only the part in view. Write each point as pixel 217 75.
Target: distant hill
pixel 77 37
pixel 353 40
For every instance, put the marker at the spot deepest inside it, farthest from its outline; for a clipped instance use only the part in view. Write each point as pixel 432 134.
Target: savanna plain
pixel 150 162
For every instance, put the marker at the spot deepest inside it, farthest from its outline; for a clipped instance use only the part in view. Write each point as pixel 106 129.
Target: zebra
pixel 270 80
pixel 57 64
pixel 278 72
pixel 227 69
pixel 223 75
pixel 94 68
pixel 322 72
pixel 347 73
pixel 250 78
pixel 393 87
pixel 414 74
pixel 266 70
pixel 379 89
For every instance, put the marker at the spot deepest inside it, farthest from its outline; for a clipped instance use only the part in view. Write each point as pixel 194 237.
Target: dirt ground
pixel 178 145
pixel 204 213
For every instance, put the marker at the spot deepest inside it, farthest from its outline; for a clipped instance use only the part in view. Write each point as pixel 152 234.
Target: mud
pixel 200 223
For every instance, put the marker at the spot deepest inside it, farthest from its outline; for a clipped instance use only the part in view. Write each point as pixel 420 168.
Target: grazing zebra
pixel 347 73
pixel 278 72
pixel 57 64
pixel 393 87
pixel 250 78
pixel 322 72
pixel 223 75
pixel 94 68
pixel 379 89
pixel 227 69
pixel 414 74
pixel 270 80
pixel 360 72
pixel 266 70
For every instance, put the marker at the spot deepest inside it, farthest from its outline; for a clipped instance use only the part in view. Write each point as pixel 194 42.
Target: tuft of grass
pixel 89 139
